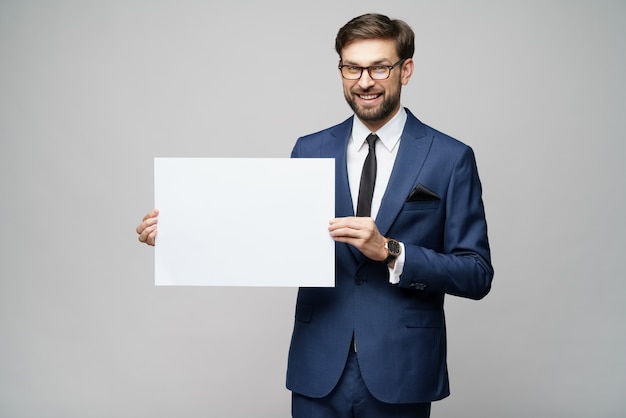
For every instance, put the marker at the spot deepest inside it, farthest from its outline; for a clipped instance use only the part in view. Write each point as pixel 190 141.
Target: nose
pixel 366 80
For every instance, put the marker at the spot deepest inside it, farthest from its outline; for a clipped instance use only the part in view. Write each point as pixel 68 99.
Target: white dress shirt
pixel 386 152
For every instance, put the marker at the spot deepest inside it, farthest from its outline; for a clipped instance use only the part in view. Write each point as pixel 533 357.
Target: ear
pixel 407 71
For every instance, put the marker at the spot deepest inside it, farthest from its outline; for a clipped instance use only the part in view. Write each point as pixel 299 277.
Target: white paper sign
pixel 244 221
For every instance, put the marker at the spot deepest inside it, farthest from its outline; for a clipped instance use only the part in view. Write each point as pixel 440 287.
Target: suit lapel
pixel 335 147
pixel 414 147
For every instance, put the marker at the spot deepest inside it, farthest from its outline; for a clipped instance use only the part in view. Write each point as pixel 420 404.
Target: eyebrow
pixel 383 61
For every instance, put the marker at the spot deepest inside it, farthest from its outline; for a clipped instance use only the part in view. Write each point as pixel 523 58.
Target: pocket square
pixel 421 193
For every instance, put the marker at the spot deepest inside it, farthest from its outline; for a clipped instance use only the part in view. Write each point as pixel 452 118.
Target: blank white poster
pixel 244 221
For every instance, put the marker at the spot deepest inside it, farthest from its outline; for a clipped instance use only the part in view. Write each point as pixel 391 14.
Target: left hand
pixel 362 233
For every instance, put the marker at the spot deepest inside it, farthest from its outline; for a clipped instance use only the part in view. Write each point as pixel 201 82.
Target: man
pixel 375 344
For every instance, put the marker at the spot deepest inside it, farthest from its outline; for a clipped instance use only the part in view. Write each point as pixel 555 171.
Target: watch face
pixel 393 247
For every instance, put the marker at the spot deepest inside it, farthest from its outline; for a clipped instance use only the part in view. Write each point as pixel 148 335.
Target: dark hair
pixel 377 26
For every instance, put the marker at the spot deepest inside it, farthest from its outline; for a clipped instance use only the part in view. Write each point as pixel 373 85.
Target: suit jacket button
pixel 358 280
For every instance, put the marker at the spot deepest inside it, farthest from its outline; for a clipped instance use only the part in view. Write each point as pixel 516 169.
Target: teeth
pixel 369 97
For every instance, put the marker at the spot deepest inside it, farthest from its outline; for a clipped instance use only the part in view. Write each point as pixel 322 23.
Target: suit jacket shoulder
pixel 417 129
pixel 329 140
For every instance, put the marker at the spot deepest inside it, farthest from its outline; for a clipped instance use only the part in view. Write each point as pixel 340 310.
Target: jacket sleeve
pixel 462 266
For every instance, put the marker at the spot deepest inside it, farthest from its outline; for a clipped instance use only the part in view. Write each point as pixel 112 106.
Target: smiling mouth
pixel 369 96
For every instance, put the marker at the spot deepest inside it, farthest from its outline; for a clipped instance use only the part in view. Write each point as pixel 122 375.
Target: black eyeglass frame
pixel 369 70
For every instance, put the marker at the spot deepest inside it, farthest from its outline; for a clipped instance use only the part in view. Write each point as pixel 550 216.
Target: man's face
pixel 374 101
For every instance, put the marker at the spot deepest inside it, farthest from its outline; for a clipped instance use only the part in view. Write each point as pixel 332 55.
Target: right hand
pixel 147 229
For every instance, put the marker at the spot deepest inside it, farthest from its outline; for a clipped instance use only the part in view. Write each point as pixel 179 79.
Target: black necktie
pixel 368 179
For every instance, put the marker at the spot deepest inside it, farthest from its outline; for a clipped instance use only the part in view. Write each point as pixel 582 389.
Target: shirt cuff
pixel 396 271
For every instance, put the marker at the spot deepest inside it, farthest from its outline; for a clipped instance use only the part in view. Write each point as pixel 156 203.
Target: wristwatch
pixel 393 250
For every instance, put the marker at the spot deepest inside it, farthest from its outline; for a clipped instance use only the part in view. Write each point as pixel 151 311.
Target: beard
pixel 390 103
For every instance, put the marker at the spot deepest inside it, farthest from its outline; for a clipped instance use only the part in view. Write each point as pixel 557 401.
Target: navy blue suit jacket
pixel 399 330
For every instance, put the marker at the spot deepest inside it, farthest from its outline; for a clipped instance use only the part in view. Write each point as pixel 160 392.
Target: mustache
pixel 366 91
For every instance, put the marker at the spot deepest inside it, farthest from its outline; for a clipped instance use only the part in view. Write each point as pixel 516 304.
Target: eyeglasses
pixel 376 72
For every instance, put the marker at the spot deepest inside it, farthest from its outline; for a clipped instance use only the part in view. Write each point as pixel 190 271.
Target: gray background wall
pixel 91 91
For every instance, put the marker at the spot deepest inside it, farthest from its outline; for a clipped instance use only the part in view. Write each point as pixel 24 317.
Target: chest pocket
pixel 421 205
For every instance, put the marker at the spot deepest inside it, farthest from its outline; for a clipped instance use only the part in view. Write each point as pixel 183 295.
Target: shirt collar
pixel 389 134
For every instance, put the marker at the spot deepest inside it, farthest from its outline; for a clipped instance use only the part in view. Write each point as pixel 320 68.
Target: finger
pixel 150 219
pixel 352 228
pixel 349 233
pixel 146 223
pixel 337 224
pixel 146 232
pixel 152 214
pixel 152 239
pixel 352 222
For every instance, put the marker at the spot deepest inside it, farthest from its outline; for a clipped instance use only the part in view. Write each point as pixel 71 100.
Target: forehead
pixel 369 51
